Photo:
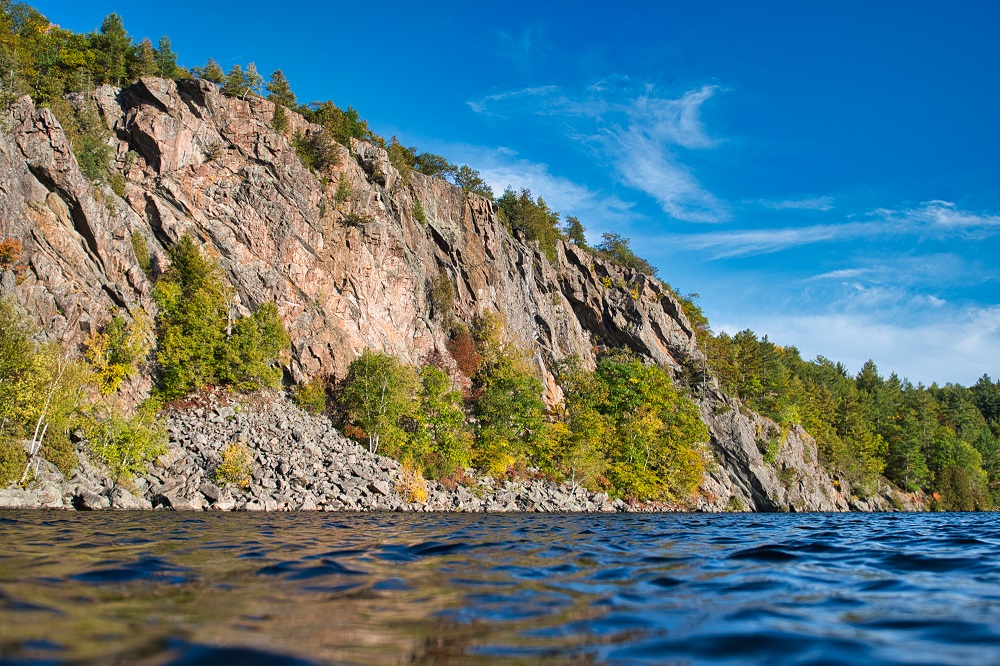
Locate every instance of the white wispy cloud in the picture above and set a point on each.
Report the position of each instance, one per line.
(728, 244)
(637, 130)
(942, 215)
(938, 219)
(815, 203)
(841, 274)
(503, 166)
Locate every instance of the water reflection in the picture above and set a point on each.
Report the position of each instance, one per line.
(157, 588)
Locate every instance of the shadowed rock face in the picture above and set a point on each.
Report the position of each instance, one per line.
(344, 275)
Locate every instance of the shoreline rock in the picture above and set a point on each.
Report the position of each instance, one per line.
(300, 462)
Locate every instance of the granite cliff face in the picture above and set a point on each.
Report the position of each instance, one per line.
(344, 275)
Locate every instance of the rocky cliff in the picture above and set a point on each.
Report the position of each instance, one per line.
(345, 275)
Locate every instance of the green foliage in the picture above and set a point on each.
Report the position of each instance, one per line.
(41, 388)
(575, 232)
(508, 408)
(279, 119)
(311, 395)
(430, 164)
(114, 53)
(247, 360)
(126, 445)
(402, 158)
(377, 392)
(88, 135)
(166, 60)
(13, 460)
(618, 250)
(279, 90)
(627, 423)
(210, 72)
(418, 212)
(236, 466)
(238, 83)
(531, 217)
(316, 150)
(344, 189)
(938, 440)
(441, 440)
(116, 352)
(340, 125)
(441, 294)
(145, 60)
(472, 182)
(199, 341)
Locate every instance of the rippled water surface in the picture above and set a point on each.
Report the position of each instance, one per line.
(155, 588)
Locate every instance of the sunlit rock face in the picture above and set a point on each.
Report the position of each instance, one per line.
(345, 274)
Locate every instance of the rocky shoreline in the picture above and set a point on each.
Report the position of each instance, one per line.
(300, 462)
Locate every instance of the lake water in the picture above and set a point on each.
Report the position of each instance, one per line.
(182, 588)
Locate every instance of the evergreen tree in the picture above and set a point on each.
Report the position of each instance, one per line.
(575, 232)
(279, 90)
(254, 81)
(235, 83)
(166, 60)
(114, 51)
(145, 64)
(210, 72)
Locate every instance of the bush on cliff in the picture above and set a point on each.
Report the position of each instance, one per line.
(200, 340)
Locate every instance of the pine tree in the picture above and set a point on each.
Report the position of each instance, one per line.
(254, 81)
(235, 83)
(210, 72)
(166, 59)
(113, 49)
(279, 90)
(146, 60)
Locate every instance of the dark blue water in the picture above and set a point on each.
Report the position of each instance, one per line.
(169, 588)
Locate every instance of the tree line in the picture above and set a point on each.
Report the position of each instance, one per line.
(942, 440)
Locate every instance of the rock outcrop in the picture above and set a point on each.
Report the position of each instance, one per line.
(348, 274)
(297, 462)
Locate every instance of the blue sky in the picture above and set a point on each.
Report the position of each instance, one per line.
(825, 173)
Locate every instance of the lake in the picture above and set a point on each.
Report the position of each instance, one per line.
(336, 588)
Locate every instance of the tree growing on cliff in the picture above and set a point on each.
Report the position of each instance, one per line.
(199, 342)
(618, 250)
(531, 217)
(210, 72)
(279, 90)
(378, 390)
(166, 60)
(510, 424)
(471, 181)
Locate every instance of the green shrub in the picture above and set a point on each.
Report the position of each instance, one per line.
(441, 294)
(59, 450)
(247, 359)
(344, 189)
(316, 150)
(13, 460)
(116, 351)
(418, 212)
(142, 254)
(236, 466)
(311, 395)
(279, 121)
(126, 445)
(117, 182)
